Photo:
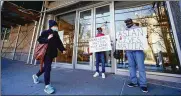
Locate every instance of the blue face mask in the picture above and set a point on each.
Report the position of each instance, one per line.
(55, 29)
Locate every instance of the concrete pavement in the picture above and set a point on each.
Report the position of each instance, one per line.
(17, 80)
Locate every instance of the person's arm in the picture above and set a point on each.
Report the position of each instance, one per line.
(42, 39)
(60, 44)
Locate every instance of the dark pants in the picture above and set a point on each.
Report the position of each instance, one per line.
(46, 69)
(100, 57)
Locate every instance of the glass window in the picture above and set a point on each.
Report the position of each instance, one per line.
(158, 57)
(6, 32)
(84, 35)
(103, 21)
(66, 24)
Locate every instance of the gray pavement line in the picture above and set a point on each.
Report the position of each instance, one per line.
(123, 88)
(165, 85)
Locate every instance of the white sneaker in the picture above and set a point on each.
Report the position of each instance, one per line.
(49, 89)
(96, 74)
(103, 75)
(35, 79)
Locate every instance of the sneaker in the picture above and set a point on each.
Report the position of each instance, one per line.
(132, 85)
(103, 75)
(96, 74)
(144, 89)
(51, 86)
(35, 79)
(49, 89)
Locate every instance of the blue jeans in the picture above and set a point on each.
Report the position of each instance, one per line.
(136, 59)
(100, 57)
(46, 69)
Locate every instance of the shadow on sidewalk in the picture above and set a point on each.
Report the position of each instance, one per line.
(17, 80)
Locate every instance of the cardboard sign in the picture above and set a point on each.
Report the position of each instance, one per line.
(132, 39)
(99, 44)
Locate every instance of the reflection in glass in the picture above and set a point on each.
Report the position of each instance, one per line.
(83, 37)
(103, 21)
(161, 55)
(66, 25)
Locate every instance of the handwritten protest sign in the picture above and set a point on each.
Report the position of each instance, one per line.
(132, 39)
(99, 44)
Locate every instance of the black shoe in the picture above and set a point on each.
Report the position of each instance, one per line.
(132, 85)
(144, 89)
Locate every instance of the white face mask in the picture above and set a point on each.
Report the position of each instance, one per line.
(54, 28)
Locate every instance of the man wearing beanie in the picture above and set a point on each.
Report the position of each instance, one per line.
(100, 57)
(51, 38)
(136, 59)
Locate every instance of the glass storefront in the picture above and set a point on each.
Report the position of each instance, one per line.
(85, 29)
(66, 24)
(161, 56)
(102, 15)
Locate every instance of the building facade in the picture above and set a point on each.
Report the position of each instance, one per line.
(78, 21)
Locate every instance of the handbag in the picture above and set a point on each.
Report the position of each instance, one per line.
(116, 53)
(40, 51)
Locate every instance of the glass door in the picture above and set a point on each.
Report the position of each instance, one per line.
(66, 24)
(102, 19)
(84, 34)
(89, 21)
(161, 55)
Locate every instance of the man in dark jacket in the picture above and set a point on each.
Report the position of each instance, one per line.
(51, 38)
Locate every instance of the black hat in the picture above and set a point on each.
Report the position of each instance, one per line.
(99, 28)
(52, 23)
(128, 20)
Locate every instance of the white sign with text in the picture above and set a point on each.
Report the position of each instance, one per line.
(132, 39)
(99, 44)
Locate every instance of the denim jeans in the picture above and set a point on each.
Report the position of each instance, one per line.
(136, 59)
(46, 69)
(100, 57)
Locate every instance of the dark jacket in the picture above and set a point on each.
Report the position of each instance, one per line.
(53, 43)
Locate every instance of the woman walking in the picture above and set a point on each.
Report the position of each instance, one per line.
(51, 38)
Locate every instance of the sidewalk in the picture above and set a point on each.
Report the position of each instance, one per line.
(17, 80)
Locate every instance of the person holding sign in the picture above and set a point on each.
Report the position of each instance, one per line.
(136, 59)
(100, 56)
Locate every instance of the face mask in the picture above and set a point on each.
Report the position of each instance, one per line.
(129, 24)
(99, 31)
(54, 28)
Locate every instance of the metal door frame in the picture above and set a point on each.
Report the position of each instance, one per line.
(79, 66)
(92, 57)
